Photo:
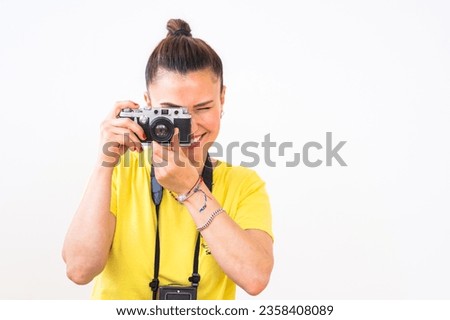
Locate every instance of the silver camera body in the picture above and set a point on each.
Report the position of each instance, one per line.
(159, 123)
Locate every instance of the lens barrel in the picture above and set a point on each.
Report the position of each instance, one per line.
(161, 130)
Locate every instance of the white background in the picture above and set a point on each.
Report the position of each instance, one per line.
(375, 73)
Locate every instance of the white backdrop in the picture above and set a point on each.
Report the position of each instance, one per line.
(374, 73)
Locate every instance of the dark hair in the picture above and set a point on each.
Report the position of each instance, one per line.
(182, 53)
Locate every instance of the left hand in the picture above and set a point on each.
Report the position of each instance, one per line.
(173, 170)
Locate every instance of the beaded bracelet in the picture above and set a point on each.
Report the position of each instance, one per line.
(210, 219)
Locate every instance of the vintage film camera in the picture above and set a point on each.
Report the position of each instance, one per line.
(159, 123)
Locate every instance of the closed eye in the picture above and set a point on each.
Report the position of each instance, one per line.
(204, 105)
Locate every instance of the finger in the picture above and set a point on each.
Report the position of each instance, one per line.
(113, 136)
(175, 143)
(179, 156)
(130, 124)
(120, 140)
(127, 137)
(122, 135)
(159, 155)
(161, 151)
(119, 105)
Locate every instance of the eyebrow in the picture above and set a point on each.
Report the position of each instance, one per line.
(201, 104)
(172, 105)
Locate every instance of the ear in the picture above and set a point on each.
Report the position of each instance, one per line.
(147, 99)
(222, 97)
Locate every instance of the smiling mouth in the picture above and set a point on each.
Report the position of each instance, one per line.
(195, 141)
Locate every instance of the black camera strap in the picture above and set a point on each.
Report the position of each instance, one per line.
(157, 193)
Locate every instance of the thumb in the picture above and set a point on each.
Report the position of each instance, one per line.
(175, 143)
(179, 155)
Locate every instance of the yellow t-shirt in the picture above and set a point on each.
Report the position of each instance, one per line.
(130, 264)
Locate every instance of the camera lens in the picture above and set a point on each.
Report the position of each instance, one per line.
(161, 129)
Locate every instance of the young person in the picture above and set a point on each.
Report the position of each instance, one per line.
(117, 231)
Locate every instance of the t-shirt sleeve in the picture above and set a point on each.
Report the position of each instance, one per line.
(253, 210)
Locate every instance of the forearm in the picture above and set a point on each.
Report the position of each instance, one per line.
(89, 237)
(244, 255)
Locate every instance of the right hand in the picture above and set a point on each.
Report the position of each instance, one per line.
(117, 135)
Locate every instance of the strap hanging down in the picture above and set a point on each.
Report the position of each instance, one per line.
(157, 193)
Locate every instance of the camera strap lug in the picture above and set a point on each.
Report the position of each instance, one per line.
(154, 284)
(195, 279)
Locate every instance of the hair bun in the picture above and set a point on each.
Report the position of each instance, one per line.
(178, 27)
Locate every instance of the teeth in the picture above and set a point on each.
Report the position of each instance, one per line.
(196, 139)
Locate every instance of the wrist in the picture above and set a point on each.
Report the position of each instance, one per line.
(108, 160)
(105, 165)
(182, 197)
(200, 200)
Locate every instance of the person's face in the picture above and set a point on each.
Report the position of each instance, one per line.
(199, 92)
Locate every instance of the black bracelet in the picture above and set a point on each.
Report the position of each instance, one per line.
(183, 197)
